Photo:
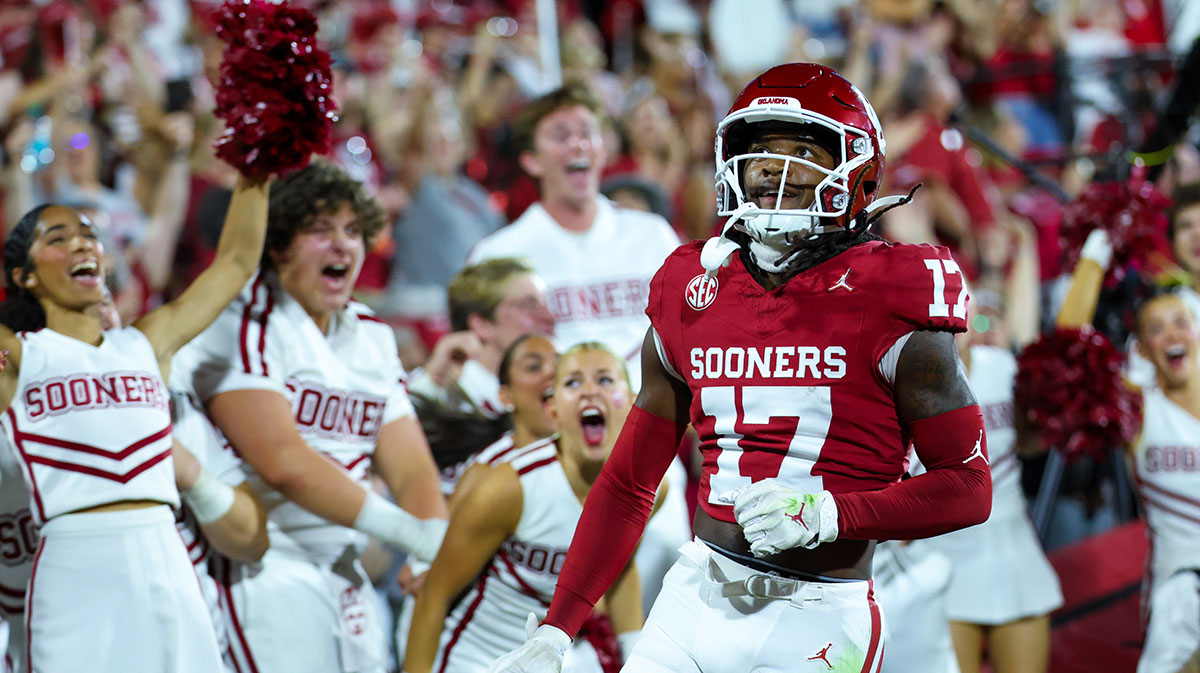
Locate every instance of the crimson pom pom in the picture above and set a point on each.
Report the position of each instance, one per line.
(1133, 213)
(1069, 387)
(274, 93)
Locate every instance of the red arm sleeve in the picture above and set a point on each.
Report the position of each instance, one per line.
(955, 493)
(614, 516)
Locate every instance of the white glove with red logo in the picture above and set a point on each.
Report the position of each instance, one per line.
(542, 653)
(774, 518)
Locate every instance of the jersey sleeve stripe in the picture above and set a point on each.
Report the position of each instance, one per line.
(9, 591)
(262, 333)
(247, 315)
(662, 355)
(521, 451)
(887, 364)
(533, 466)
(531, 454)
(496, 449)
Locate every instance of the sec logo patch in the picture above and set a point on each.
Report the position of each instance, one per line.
(701, 292)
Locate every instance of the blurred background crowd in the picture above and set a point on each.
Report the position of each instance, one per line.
(1001, 109)
(106, 105)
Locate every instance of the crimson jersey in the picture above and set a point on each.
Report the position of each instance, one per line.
(792, 383)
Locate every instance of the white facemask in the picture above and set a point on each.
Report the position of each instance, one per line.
(775, 238)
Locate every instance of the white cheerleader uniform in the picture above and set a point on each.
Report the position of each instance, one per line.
(597, 286)
(307, 606)
(109, 591)
(196, 433)
(18, 545)
(489, 619)
(1167, 465)
(911, 582)
(1000, 573)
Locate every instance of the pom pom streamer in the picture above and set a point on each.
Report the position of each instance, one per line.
(1069, 388)
(274, 93)
(1133, 213)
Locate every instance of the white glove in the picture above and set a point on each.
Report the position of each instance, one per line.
(420, 537)
(1097, 248)
(542, 653)
(774, 518)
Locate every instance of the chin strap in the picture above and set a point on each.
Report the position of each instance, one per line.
(878, 207)
(717, 250)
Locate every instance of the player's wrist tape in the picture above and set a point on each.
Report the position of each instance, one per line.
(389, 523)
(829, 518)
(209, 498)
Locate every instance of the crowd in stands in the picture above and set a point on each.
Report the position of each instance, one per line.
(108, 106)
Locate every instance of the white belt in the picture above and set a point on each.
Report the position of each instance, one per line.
(727, 578)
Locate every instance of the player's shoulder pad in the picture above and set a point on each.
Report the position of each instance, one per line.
(686, 257)
(678, 268)
(887, 263)
(921, 284)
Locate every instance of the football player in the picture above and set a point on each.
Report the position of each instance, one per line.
(808, 354)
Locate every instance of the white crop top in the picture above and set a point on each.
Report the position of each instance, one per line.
(91, 425)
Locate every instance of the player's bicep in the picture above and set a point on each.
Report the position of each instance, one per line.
(663, 393)
(930, 379)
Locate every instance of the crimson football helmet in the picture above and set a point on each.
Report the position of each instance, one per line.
(803, 94)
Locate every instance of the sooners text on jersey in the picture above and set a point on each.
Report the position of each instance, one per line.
(335, 413)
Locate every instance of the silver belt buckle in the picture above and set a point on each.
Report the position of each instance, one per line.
(759, 586)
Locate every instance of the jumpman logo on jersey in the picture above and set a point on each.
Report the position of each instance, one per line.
(823, 656)
(841, 283)
(798, 517)
(977, 452)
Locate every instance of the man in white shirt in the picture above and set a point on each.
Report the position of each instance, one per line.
(595, 257)
(597, 260)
